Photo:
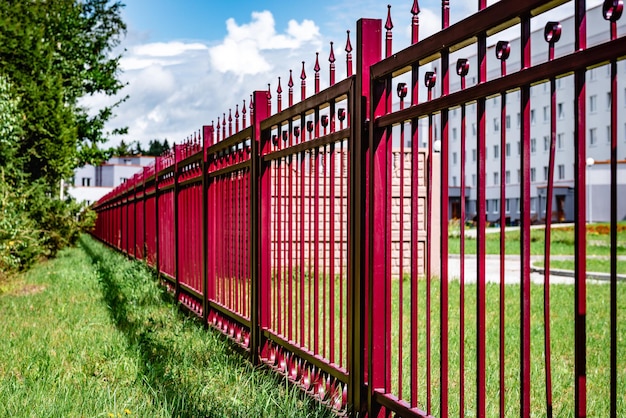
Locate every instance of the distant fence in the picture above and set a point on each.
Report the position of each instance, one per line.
(316, 236)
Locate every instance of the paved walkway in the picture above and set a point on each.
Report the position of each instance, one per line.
(512, 265)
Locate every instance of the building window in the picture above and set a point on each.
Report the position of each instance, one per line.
(123, 179)
(593, 103)
(454, 158)
(487, 205)
(519, 175)
(560, 111)
(508, 121)
(608, 101)
(454, 134)
(559, 140)
(546, 114)
(533, 205)
(474, 154)
(545, 173)
(519, 148)
(546, 143)
(533, 174)
(519, 120)
(561, 171)
(495, 206)
(496, 178)
(474, 180)
(608, 134)
(532, 116)
(593, 136)
(533, 145)
(508, 149)
(473, 128)
(86, 181)
(592, 74)
(496, 124)
(507, 175)
(496, 151)
(453, 181)
(508, 205)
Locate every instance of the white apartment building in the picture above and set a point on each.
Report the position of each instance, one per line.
(93, 182)
(598, 134)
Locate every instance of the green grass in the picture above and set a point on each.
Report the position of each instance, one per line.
(562, 347)
(596, 265)
(91, 334)
(561, 241)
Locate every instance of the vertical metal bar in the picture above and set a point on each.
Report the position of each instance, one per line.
(613, 308)
(302, 240)
(503, 50)
(525, 165)
(259, 231)
(462, 68)
(332, 256)
(316, 249)
(176, 223)
(430, 79)
(207, 133)
(369, 52)
(580, 214)
(414, 214)
(481, 197)
(444, 216)
(552, 34)
(378, 221)
(402, 92)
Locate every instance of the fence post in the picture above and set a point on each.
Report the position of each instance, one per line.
(157, 262)
(259, 230)
(176, 245)
(207, 132)
(369, 52)
(144, 240)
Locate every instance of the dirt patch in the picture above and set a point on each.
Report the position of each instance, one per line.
(27, 289)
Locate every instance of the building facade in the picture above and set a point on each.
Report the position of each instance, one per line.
(598, 105)
(92, 182)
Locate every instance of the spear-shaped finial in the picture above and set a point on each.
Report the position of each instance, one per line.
(237, 117)
(279, 99)
(445, 13)
(317, 72)
(303, 84)
(230, 122)
(349, 55)
(389, 35)
(218, 129)
(251, 106)
(290, 84)
(331, 59)
(243, 114)
(269, 99)
(224, 126)
(415, 22)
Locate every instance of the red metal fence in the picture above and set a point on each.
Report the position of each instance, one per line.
(311, 235)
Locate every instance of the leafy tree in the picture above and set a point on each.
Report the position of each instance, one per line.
(55, 52)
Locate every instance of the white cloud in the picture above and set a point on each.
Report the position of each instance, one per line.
(247, 48)
(176, 87)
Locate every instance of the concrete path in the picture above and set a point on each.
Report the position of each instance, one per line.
(512, 275)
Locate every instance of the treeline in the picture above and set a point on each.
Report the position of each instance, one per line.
(52, 54)
(155, 148)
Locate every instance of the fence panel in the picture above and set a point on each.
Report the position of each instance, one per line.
(322, 238)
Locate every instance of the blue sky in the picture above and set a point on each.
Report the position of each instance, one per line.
(187, 62)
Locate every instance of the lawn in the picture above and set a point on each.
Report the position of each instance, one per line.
(91, 334)
(561, 241)
(562, 347)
